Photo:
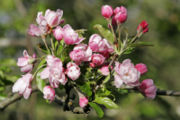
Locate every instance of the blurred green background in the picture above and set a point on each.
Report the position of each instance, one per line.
(163, 59)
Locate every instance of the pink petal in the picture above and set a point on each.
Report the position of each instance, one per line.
(45, 73)
(27, 92)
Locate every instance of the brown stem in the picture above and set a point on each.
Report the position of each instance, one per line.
(168, 92)
(77, 110)
(158, 92)
(113, 60)
(5, 103)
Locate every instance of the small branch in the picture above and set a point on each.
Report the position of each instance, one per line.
(8, 101)
(158, 92)
(168, 93)
(113, 60)
(44, 40)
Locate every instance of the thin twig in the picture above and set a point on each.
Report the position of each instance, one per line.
(168, 92)
(61, 100)
(8, 101)
(44, 40)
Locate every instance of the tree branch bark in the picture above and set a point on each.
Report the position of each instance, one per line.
(168, 93)
(78, 110)
(8, 101)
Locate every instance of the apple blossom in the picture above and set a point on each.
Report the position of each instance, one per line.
(142, 68)
(83, 101)
(105, 70)
(120, 14)
(26, 62)
(34, 30)
(97, 44)
(54, 71)
(106, 11)
(58, 33)
(73, 71)
(148, 88)
(70, 36)
(42, 23)
(23, 86)
(53, 18)
(86, 49)
(126, 73)
(77, 55)
(142, 27)
(97, 60)
(49, 93)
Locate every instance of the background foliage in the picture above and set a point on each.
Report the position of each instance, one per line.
(162, 59)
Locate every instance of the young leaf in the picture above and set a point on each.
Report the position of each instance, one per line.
(129, 50)
(86, 88)
(104, 33)
(41, 64)
(141, 44)
(97, 108)
(107, 102)
(40, 82)
(103, 92)
(42, 48)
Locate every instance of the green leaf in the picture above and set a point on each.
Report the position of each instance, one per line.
(56, 44)
(107, 102)
(97, 108)
(81, 31)
(105, 33)
(129, 50)
(86, 88)
(103, 92)
(60, 47)
(42, 48)
(41, 64)
(141, 44)
(40, 82)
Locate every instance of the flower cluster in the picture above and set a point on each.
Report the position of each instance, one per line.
(23, 84)
(70, 61)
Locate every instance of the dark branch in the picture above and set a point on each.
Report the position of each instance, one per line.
(5, 103)
(168, 92)
(78, 110)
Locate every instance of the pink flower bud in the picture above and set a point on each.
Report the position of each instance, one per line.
(70, 36)
(26, 62)
(148, 88)
(53, 18)
(83, 101)
(120, 14)
(97, 44)
(77, 55)
(73, 71)
(106, 11)
(86, 49)
(34, 30)
(141, 68)
(98, 59)
(105, 70)
(58, 33)
(49, 93)
(23, 86)
(142, 27)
